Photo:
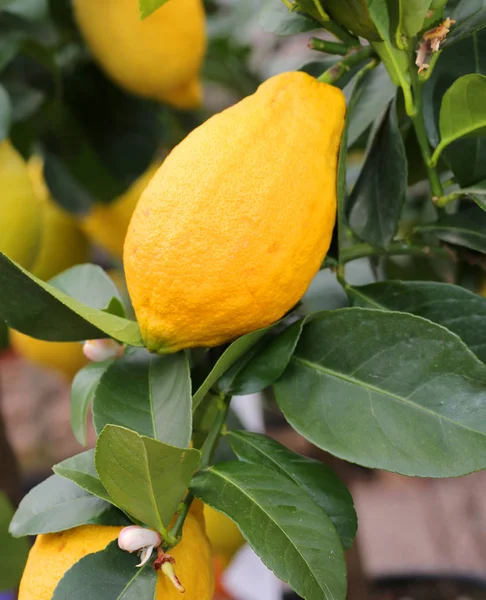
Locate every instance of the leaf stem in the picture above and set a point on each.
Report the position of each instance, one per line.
(207, 451)
(340, 33)
(354, 57)
(328, 47)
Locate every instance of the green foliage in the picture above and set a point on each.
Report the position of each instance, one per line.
(14, 552)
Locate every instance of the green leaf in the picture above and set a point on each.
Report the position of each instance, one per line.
(466, 228)
(49, 314)
(377, 197)
(83, 389)
(146, 478)
(453, 307)
(147, 7)
(290, 533)
(276, 18)
(412, 17)
(355, 15)
(470, 17)
(171, 399)
(110, 574)
(314, 477)
(14, 551)
(57, 504)
(412, 394)
(227, 359)
(5, 113)
(82, 471)
(462, 112)
(261, 366)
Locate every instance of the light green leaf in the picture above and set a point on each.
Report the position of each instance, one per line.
(313, 476)
(14, 551)
(412, 17)
(147, 7)
(49, 314)
(110, 574)
(146, 478)
(462, 113)
(82, 471)
(290, 533)
(412, 394)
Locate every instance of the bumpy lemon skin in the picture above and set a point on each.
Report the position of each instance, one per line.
(235, 224)
(20, 209)
(158, 57)
(107, 224)
(53, 554)
(225, 537)
(62, 243)
(65, 358)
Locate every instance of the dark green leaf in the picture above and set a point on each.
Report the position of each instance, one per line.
(82, 392)
(291, 534)
(147, 7)
(355, 15)
(412, 394)
(25, 100)
(228, 358)
(276, 18)
(462, 113)
(14, 551)
(5, 113)
(470, 17)
(461, 311)
(377, 197)
(466, 228)
(47, 313)
(262, 367)
(57, 504)
(64, 187)
(146, 478)
(82, 471)
(110, 574)
(314, 477)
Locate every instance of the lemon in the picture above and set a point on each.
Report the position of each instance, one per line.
(20, 208)
(159, 57)
(53, 554)
(62, 243)
(236, 222)
(107, 223)
(224, 535)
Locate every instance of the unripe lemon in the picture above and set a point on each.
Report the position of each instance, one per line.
(53, 554)
(225, 537)
(20, 209)
(107, 223)
(159, 57)
(236, 222)
(62, 243)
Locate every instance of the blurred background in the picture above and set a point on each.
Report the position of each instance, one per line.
(418, 539)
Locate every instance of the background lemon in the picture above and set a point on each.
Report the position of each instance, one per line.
(20, 209)
(53, 554)
(224, 535)
(158, 57)
(236, 222)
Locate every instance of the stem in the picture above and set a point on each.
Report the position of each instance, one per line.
(340, 33)
(207, 451)
(394, 249)
(322, 13)
(328, 47)
(354, 57)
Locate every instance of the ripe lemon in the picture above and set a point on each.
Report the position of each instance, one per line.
(65, 358)
(236, 222)
(53, 554)
(107, 223)
(159, 57)
(224, 535)
(20, 209)
(62, 243)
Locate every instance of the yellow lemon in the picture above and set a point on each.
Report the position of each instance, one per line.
(66, 358)
(159, 57)
(62, 243)
(53, 554)
(236, 222)
(20, 209)
(224, 535)
(107, 223)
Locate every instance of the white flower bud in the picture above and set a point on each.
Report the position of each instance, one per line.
(139, 539)
(100, 350)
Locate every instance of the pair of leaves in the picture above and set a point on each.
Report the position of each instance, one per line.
(143, 477)
(387, 390)
(73, 307)
(281, 502)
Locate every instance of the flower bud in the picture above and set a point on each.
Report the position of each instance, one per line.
(100, 350)
(139, 539)
(167, 569)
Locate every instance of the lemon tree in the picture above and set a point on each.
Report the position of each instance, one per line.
(321, 242)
